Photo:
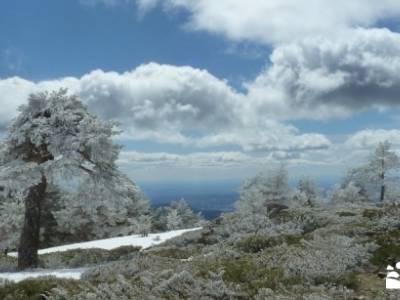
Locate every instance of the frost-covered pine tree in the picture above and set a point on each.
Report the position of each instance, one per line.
(261, 198)
(306, 192)
(361, 178)
(143, 225)
(382, 162)
(174, 220)
(54, 137)
(188, 217)
(272, 188)
(375, 177)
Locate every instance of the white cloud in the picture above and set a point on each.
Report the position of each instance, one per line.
(162, 97)
(328, 60)
(278, 21)
(192, 160)
(212, 160)
(168, 104)
(325, 77)
(369, 138)
(269, 135)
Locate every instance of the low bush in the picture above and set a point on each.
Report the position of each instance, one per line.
(389, 249)
(173, 252)
(257, 243)
(372, 213)
(35, 289)
(86, 257)
(346, 214)
(254, 243)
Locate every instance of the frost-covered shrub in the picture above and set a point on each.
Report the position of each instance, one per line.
(293, 221)
(254, 243)
(181, 285)
(172, 252)
(86, 257)
(38, 288)
(313, 293)
(184, 286)
(326, 257)
(239, 225)
(309, 219)
(188, 238)
(120, 289)
(257, 243)
(351, 193)
(386, 223)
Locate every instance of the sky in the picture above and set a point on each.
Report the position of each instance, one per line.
(215, 90)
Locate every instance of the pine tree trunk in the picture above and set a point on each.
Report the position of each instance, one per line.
(382, 193)
(29, 241)
(382, 186)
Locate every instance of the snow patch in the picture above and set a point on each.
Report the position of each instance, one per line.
(62, 273)
(112, 243)
(107, 244)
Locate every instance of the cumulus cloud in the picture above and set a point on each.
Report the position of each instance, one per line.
(278, 21)
(325, 77)
(169, 104)
(370, 138)
(328, 60)
(161, 96)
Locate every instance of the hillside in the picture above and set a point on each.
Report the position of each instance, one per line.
(322, 252)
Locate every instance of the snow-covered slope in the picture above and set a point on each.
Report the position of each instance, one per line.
(112, 243)
(107, 244)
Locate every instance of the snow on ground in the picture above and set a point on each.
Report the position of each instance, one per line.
(62, 273)
(112, 243)
(107, 244)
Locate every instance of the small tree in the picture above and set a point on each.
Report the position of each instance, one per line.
(270, 188)
(143, 225)
(188, 217)
(54, 136)
(306, 192)
(174, 220)
(382, 162)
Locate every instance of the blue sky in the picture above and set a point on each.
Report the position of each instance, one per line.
(215, 89)
(65, 38)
